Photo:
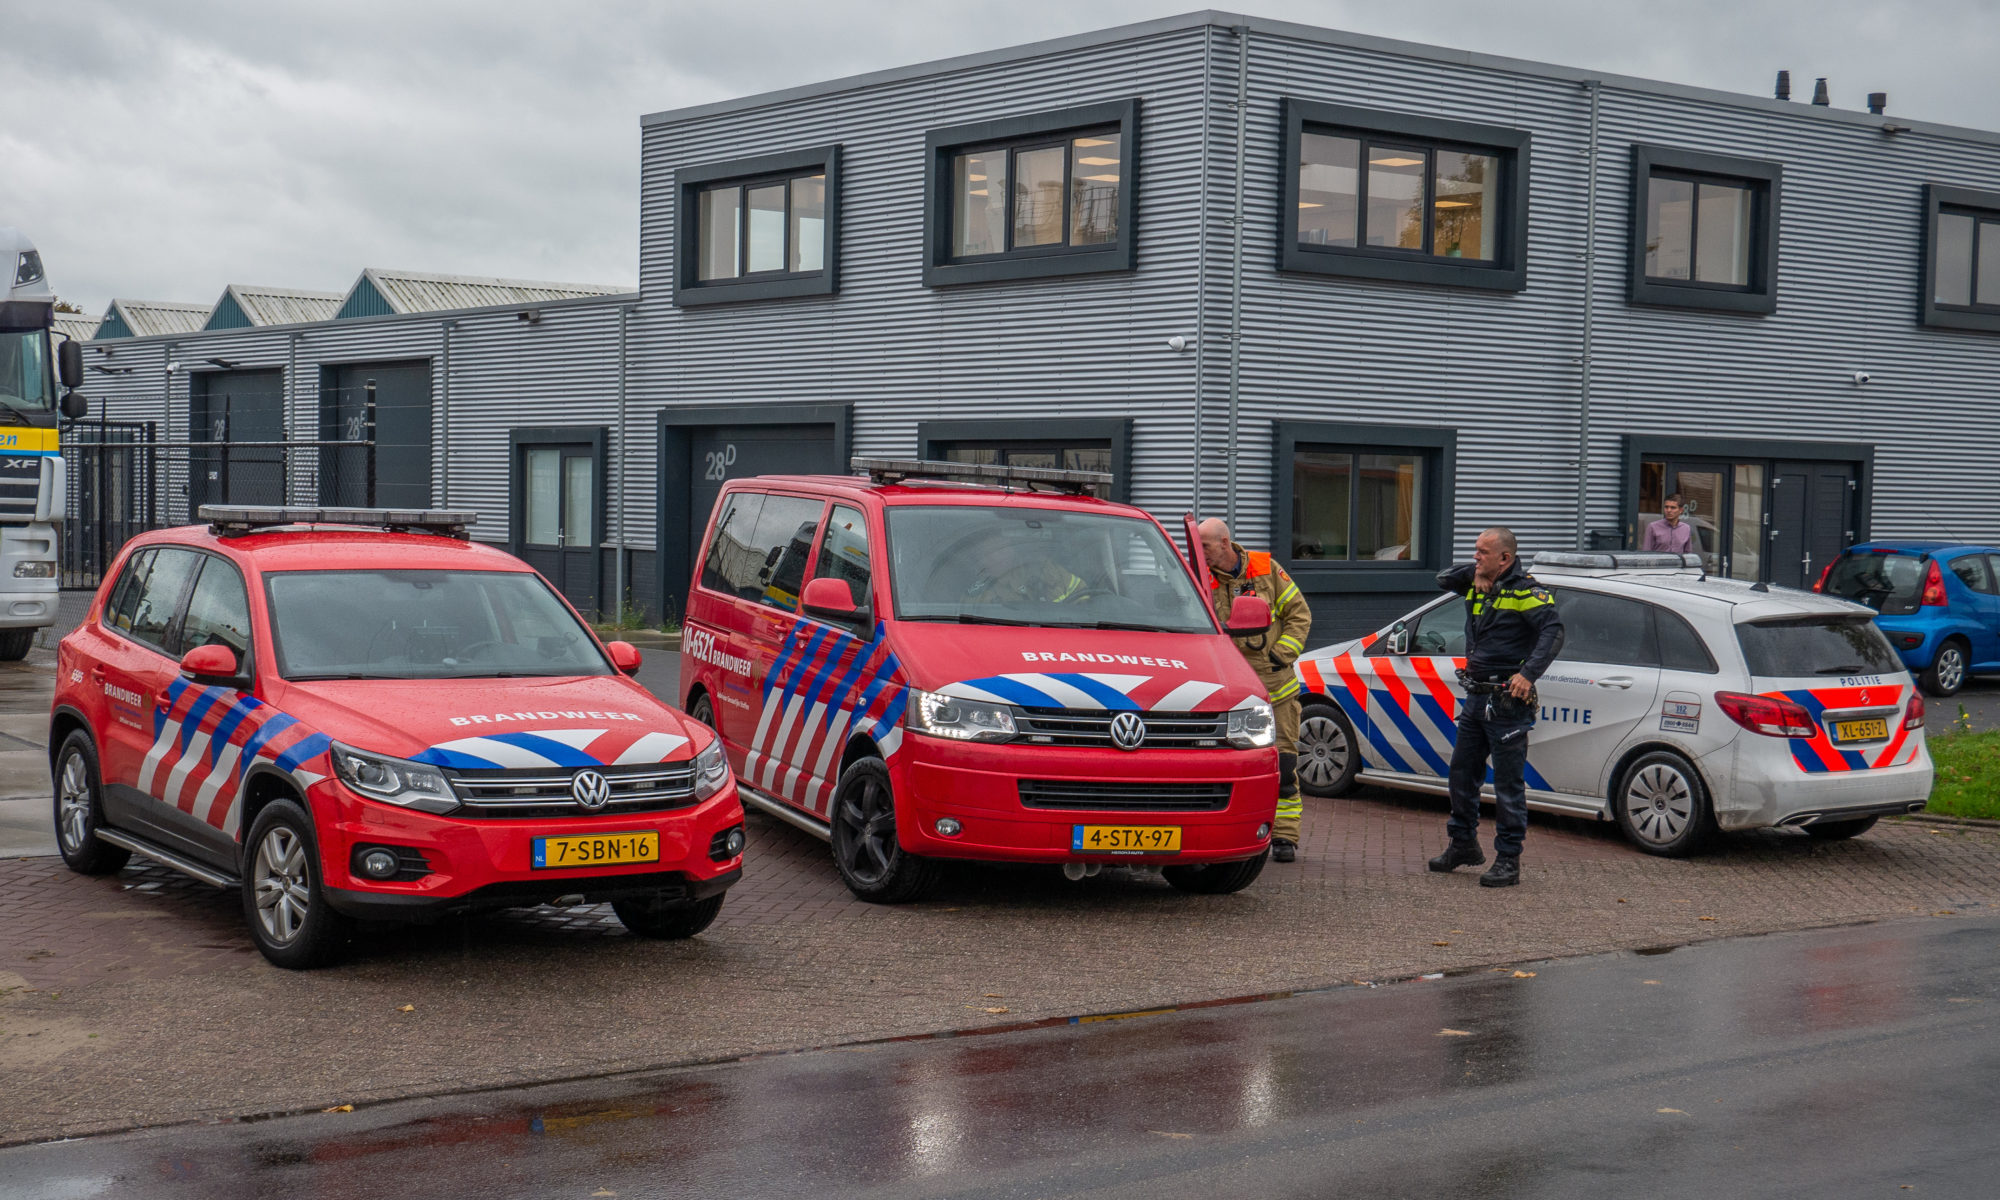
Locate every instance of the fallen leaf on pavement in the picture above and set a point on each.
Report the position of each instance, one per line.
(604, 1192)
(1945, 912)
(1670, 1110)
(407, 1008)
(1454, 1033)
(1454, 931)
(339, 1108)
(1654, 982)
(998, 1009)
(1622, 900)
(1524, 974)
(1707, 918)
(992, 995)
(1164, 1133)
(1440, 943)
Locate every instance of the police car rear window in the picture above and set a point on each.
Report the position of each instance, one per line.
(1796, 647)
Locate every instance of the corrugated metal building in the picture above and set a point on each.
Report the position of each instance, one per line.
(81, 326)
(150, 318)
(244, 306)
(1364, 297)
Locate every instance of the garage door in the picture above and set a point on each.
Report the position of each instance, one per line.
(225, 410)
(698, 457)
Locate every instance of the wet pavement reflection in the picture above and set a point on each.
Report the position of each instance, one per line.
(1832, 1062)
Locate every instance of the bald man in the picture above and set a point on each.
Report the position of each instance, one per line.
(1232, 572)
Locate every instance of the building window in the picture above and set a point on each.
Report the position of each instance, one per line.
(1705, 231)
(759, 228)
(1051, 194)
(1390, 196)
(1961, 277)
(1052, 443)
(1362, 506)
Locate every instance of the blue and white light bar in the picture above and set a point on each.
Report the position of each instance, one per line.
(1615, 560)
(900, 470)
(234, 520)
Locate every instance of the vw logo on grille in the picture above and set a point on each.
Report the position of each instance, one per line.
(1127, 731)
(590, 790)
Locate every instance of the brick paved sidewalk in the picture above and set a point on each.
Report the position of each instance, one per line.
(137, 998)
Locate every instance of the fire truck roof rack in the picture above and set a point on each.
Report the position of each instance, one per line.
(1038, 479)
(235, 520)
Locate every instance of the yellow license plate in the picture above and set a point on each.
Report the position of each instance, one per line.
(1125, 839)
(1860, 731)
(597, 850)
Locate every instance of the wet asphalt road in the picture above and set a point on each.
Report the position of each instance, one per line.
(1848, 1062)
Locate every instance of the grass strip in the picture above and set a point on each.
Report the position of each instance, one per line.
(1968, 774)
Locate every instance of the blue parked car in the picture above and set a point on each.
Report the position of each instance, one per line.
(1939, 604)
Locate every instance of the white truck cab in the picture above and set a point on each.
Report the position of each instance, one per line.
(1680, 703)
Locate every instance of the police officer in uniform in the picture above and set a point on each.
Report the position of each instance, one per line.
(1232, 572)
(1512, 634)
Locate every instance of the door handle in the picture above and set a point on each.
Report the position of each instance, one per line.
(1616, 681)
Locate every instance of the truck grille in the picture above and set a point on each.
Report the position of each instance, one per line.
(1124, 797)
(539, 792)
(1092, 727)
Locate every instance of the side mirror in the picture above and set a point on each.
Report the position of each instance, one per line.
(1399, 638)
(829, 599)
(75, 406)
(625, 657)
(69, 363)
(1248, 616)
(212, 662)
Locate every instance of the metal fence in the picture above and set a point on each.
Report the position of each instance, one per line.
(123, 480)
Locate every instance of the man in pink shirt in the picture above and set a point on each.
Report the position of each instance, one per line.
(1670, 533)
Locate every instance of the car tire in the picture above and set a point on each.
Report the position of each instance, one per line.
(703, 710)
(284, 897)
(1217, 879)
(1662, 806)
(79, 813)
(865, 851)
(15, 644)
(1947, 671)
(1328, 753)
(671, 922)
(1837, 831)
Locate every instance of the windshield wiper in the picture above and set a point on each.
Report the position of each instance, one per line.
(977, 619)
(1141, 626)
(351, 675)
(1847, 669)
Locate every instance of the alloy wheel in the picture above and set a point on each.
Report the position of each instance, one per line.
(1323, 751)
(283, 890)
(1950, 667)
(73, 819)
(1660, 803)
(869, 821)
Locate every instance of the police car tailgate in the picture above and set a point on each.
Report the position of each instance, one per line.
(1846, 701)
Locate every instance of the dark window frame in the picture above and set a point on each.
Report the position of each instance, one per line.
(1506, 271)
(1440, 448)
(597, 437)
(1638, 447)
(942, 269)
(689, 182)
(1981, 205)
(1766, 182)
(1115, 430)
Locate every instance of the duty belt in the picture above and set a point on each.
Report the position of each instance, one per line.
(1480, 687)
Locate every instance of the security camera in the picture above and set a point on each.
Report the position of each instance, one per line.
(173, 364)
(1861, 377)
(1177, 343)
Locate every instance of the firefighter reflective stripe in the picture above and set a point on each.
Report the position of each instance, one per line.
(1286, 689)
(1069, 588)
(1288, 645)
(1292, 807)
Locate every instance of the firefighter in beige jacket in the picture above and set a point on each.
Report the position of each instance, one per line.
(1232, 572)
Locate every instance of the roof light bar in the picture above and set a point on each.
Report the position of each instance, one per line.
(235, 520)
(899, 470)
(1617, 560)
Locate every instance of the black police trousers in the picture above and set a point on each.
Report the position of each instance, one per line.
(1494, 726)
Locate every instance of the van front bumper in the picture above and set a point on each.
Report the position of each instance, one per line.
(982, 787)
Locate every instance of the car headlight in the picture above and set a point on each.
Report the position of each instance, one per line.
(1252, 726)
(711, 771)
(394, 780)
(957, 717)
(34, 570)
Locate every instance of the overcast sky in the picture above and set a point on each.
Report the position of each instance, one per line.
(163, 151)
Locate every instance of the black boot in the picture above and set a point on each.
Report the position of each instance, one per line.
(1283, 850)
(1505, 872)
(1456, 855)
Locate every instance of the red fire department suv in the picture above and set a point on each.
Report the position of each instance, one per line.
(384, 722)
(946, 661)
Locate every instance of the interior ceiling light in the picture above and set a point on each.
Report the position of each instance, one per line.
(1453, 204)
(977, 192)
(1093, 141)
(1395, 162)
(977, 178)
(1310, 204)
(1098, 162)
(1102, 178)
